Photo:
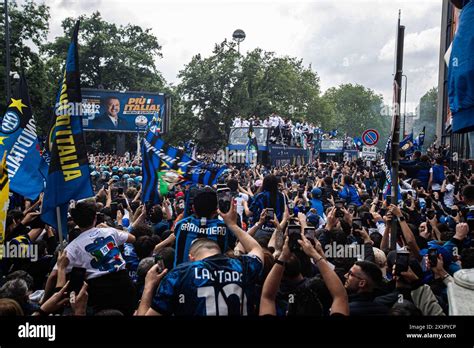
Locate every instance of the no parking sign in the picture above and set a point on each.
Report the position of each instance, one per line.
(370, 137)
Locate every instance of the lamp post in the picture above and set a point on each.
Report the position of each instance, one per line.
(239, 36)
(7, 53)
(405, 105)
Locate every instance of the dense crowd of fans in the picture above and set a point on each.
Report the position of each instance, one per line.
(293, 240)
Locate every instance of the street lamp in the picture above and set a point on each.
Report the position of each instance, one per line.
(239, 36)
(405, 105)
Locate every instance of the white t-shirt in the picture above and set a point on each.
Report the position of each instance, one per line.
(240, 198)
(97, 251)
(449, 195)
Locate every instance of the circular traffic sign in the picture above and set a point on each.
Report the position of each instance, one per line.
(370, 137)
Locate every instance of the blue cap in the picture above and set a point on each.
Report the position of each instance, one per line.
(125, 176)
(114, 169)
(316, 193)
(115, 177)
(138, 179)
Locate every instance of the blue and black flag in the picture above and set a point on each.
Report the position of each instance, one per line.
(164, 166)
(407, 145)
(68, 176)
(419, 140)
(18, 137)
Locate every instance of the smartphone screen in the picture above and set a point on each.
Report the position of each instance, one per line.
(433, 256)
(401, 264)
(224, 199)
(161, 264)
(294, 234)
(357, 223)
(310, 233)
(270, 214)
(76, 280)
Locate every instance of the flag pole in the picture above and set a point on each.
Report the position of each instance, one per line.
(60, 228)
(396, 125)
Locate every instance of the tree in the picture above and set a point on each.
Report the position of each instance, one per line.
(225, 85)
(110, 57)
(356, 108)
(29, 25)
(427, 110)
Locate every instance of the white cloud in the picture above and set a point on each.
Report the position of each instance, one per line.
(426, 40)
(346, 41)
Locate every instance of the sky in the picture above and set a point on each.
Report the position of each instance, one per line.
(345, 41)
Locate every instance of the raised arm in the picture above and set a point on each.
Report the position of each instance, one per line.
(340, 301)
(250, 245)
(272, 283)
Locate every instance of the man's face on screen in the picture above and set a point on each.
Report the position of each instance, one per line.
(113, 108)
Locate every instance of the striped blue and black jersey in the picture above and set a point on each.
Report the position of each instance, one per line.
(191, 228)
(262, 201)
(217, 285)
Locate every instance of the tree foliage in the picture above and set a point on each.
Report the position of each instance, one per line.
(427, 116)
(29, 26)
(211, 92)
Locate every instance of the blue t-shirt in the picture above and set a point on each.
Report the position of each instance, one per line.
(217, 285)
(189, 229)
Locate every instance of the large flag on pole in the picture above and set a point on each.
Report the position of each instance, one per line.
(419, 140)
(68, 176)
(18, 137)
(4, 198)
(164, 166)
(407, 144)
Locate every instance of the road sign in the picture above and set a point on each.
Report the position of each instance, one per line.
(370, 137)
(369, 153)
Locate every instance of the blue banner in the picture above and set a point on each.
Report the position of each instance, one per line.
(18, 137)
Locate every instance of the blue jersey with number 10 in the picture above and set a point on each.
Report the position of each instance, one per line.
(217, 285)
